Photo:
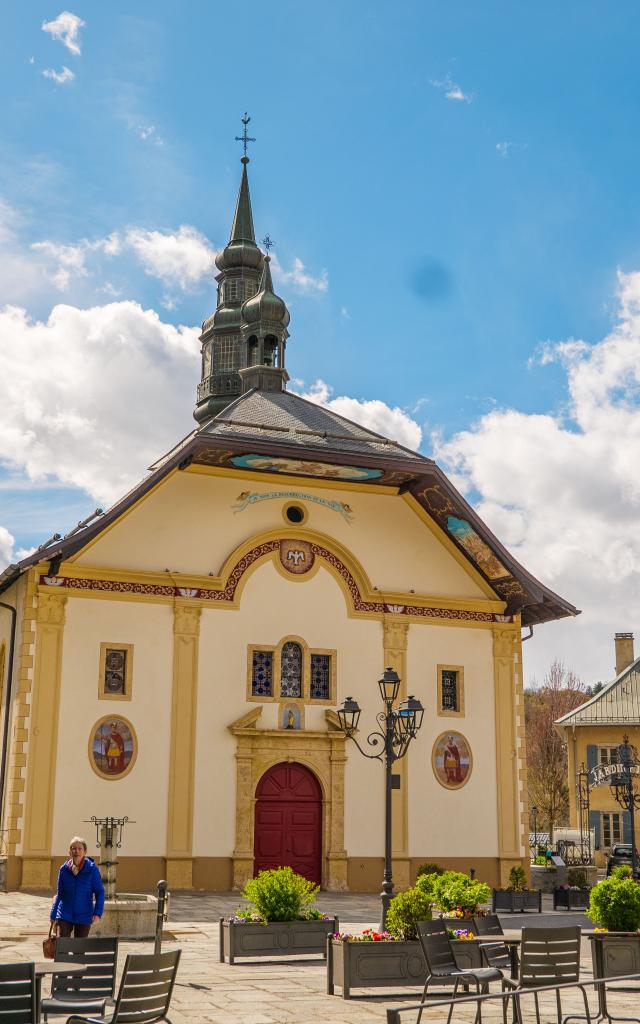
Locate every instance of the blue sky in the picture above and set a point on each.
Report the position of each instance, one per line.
(459, 182)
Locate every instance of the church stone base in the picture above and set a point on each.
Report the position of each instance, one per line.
(180, 873)
(36, 873)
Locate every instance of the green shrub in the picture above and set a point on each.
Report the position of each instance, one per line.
(614, 904)
(453, 889)
(430, 869)
(281, 895)
(405, 910)
(517, 879)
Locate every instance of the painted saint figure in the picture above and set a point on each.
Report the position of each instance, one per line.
(451, 762)
(114, 749)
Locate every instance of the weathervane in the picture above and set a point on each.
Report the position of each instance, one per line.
(244, 138)
(268, 243)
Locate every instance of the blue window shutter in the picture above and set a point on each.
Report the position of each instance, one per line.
(594, 823)
(626, 827)
(592, 756)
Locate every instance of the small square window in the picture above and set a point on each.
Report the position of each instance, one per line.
(320, 676)
(262, 674)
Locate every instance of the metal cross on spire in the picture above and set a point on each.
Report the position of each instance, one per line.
(268, 243)
(245, 137)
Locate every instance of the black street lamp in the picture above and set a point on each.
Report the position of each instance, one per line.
(398, 727)
(622, 789)
(534, 815)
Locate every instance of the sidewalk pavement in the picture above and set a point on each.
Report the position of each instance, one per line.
(261, 992)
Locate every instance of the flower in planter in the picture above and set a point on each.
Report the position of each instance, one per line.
(368, 935)
(245, 917)
(460, 933)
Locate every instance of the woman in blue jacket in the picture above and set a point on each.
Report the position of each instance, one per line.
(79, 901)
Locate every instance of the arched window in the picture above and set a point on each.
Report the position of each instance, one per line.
(291, 670)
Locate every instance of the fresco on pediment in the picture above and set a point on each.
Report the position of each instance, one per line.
(276, 464)
(112, 747)
(479, 551)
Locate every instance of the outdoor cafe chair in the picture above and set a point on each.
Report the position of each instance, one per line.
(548, 956)
(90, 991)
(441, 963)
(18, 1003)
(496, 953)
(145, 990)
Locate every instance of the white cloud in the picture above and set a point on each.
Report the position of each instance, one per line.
(451, 89)
(181, 257)
(59, 77)
(299, 277)
(92, 396)
(6, 548)
(70, 260)
(149, 133)
(564, 493)
(394, 423)
(66, 28)
(503, 149)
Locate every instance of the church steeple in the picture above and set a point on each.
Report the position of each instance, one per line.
(248, 330)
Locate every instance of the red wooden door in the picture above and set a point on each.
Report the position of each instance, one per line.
(288, 821)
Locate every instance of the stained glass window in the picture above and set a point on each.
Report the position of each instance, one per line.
(262, 674)
(115, 672)
(320, 676)
(449, 683)
(291, 670)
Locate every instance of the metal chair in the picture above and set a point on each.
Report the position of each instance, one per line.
(145, 990)
(548, 956)
(441, 963)
(495, 954)
(90, 991)
(18, 1004)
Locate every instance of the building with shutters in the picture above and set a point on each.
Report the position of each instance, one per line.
(179, 659)
(593, 732)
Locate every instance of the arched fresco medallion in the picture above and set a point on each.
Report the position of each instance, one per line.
(113, 747)
(451, 760)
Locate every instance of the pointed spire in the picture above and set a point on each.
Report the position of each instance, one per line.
(242, 227)
(266, 283)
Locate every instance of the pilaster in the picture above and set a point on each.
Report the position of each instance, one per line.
(186, 637)
(43, 742)
(395, 637)
(508, 784)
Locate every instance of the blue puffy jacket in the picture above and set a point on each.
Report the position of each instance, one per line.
(79, 897)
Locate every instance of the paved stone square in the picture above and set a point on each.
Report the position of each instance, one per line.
(271, 992)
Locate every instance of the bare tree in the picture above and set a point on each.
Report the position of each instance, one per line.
(560, 692)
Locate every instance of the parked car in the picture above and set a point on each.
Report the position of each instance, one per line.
(620, 854)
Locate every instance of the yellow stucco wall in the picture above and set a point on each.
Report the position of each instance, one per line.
(189, 526)
(142, 794)
(470, 813)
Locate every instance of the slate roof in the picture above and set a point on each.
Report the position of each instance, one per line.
(617, 703)
(287, 418)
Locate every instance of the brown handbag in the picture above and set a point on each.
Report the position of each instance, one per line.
(49, 944)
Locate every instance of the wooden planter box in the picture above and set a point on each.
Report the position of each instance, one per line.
(615, 953)
(387, 964)
(571, 899)
(504, 899)
(277, 939)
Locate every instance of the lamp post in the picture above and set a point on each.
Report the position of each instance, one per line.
(398, 727)
(623, 791)
(534, 815)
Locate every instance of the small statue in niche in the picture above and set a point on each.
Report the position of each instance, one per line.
(291, 720)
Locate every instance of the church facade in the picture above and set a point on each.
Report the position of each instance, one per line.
(179, 660)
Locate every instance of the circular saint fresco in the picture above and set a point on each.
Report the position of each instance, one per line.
(452, 760)
(113, 747)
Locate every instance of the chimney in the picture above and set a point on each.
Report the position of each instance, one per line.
(624, 651)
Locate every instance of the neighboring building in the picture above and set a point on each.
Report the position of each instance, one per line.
(593, 732)
(179, 659)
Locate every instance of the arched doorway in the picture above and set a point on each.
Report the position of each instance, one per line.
(288, 821)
